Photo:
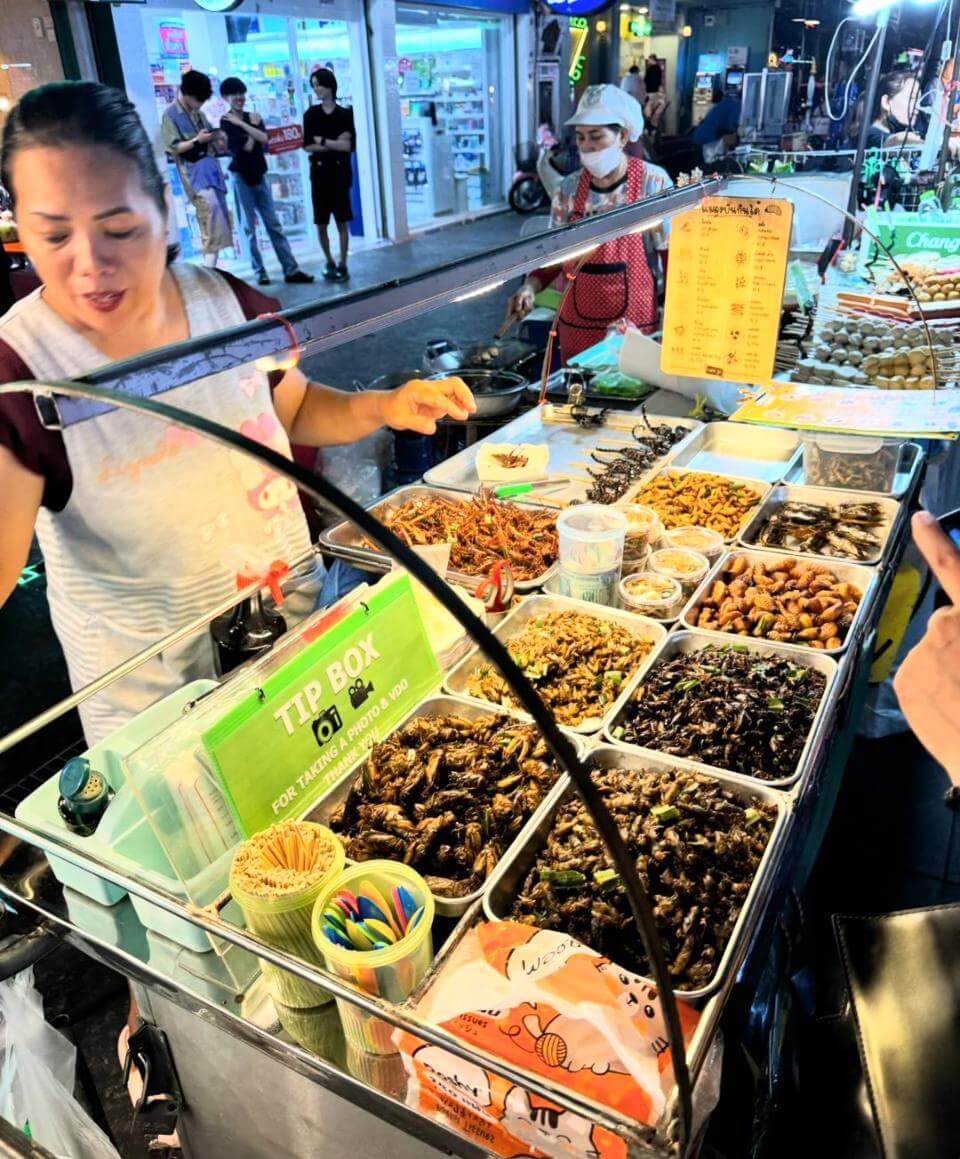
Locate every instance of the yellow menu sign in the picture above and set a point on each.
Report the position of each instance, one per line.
(725, 278)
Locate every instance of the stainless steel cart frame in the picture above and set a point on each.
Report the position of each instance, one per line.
(221, 1114)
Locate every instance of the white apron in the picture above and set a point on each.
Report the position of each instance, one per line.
(159, 520)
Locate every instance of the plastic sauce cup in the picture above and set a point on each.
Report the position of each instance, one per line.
(643, 530)
(284, 921)
(679, 563)
(392, 973)
(702, 539)
(650, 594)
(591, 538)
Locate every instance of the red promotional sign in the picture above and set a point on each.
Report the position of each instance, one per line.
(173, 40)
(284, 138)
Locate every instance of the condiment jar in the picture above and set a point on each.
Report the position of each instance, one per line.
(679, 563)
(704, 540)
(650, 594)
(643, 530)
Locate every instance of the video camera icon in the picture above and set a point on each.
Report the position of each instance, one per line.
(359, 692)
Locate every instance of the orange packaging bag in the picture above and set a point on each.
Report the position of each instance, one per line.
(544, 1002)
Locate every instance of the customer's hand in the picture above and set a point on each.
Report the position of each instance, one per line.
(523, 301)
(418, 404)
(205, 136)
(928, 681)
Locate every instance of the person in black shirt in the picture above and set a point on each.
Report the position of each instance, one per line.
(246, 137)
(329, 138)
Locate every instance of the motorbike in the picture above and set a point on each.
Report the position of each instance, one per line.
(538, 174)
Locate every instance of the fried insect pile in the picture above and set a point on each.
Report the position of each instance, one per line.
(577, 662)
(847, 530)
(741, 711)
(697, 849)
(700, 499)
(446, 795)
(481, 530)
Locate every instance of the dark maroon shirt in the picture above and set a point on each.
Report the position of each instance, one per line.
(42, 451)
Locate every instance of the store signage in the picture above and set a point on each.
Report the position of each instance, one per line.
(728, 265)
(906, 233)
(663, 11)
(173, 40)
(284, 138)
(635, 28)
(279, 749)
(577, 7)
(579, 31)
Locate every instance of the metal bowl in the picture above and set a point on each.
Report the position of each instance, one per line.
(496, 391)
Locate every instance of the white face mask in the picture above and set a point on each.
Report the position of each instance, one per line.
(603, 162)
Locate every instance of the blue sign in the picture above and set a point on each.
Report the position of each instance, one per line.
(577, 7)
(515, 6)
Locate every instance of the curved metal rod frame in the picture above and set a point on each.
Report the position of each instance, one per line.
(323, 491)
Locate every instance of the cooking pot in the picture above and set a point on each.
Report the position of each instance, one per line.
(496, 391)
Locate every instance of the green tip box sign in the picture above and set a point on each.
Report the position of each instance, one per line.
(278, 750)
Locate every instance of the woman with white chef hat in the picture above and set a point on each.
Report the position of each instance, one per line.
(617, 281)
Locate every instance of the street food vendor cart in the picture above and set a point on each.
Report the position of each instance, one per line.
(216, 1060)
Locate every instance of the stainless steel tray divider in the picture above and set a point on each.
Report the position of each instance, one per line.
(512, 625)
(342, 539)
(823, 496)
(761, 487)
(776, 448)
(433, 706)
(865, 578)
(505, 880)
(694, 640)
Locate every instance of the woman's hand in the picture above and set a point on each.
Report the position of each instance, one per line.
(928, 681)
(417, 405)
(522, 301)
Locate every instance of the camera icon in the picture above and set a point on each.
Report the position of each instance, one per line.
(327, 724)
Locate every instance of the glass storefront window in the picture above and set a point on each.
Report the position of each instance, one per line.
(456, 95)
(274, 57)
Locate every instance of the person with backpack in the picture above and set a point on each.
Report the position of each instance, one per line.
(194, 145)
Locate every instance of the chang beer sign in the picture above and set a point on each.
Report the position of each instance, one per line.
(910, 234)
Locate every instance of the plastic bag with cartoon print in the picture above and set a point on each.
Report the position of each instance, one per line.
(544, 1002)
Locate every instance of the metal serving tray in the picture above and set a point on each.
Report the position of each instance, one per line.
(694, 640)
(911, 457)
(758, 485)
(431, 708)
(506, 879)
(865, 578)
(344, 539)
(760, 453)
(535, 606)
(824, 496)
(568, 443)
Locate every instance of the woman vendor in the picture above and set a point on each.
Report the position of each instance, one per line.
(143, 526)
(899, 96)
(617, 281)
